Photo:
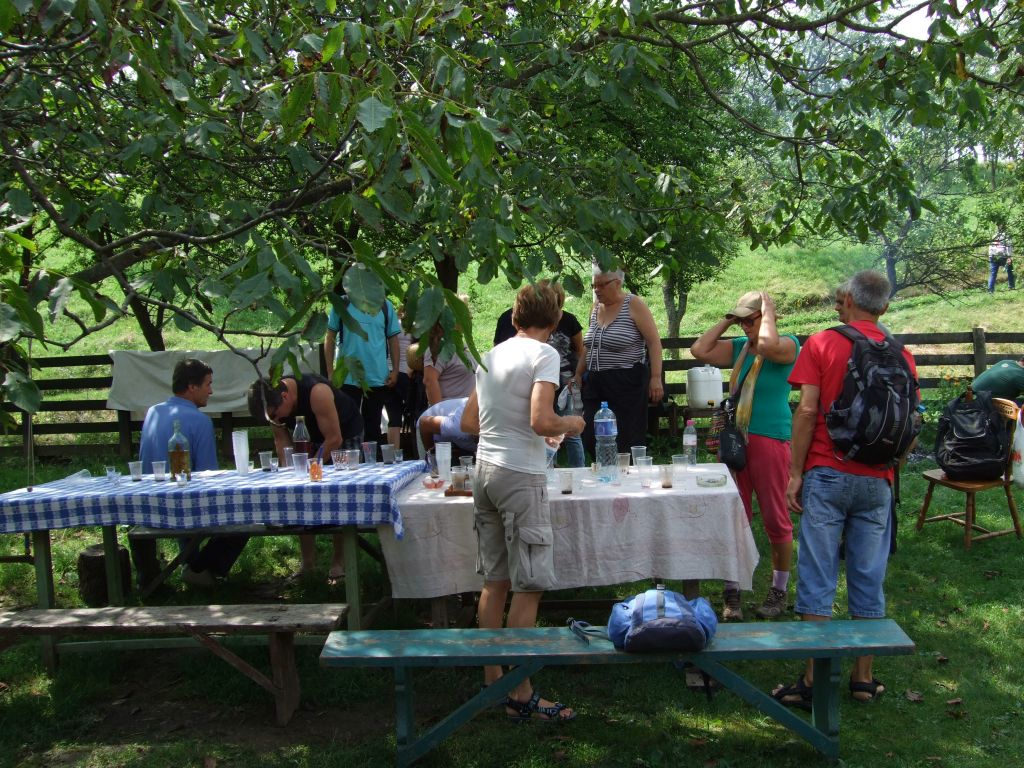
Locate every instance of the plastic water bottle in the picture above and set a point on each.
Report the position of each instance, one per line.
(690, 443)
(606, 429)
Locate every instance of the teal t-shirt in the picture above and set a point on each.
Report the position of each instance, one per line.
(373, 350)
(1004, 379)
(771, 416)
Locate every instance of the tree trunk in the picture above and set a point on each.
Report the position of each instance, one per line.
(448, 273)
(150, 331)
(674, 295)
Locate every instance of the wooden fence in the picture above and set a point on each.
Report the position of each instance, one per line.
(75, 405)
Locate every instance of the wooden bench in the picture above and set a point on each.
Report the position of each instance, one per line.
(527, 651)
(278, 622)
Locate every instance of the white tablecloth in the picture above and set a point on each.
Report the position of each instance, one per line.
(365, 496)
(604, 534)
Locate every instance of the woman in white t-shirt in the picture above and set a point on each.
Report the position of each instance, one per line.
(512, 410)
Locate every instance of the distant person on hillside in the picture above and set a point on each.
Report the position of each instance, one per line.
(1004, 379)
(1000, 252)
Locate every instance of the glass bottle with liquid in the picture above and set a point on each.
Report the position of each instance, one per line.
(178, 456)
(300, 437)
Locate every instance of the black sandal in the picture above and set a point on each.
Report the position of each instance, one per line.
(524, 710)
(796, 695)
(873, 689)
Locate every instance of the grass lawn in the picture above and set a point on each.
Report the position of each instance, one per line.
(958, 702)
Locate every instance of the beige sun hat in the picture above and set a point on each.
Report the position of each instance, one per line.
(749, 304)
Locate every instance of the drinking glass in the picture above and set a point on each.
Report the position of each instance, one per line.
(459, 477)
(665, 471)
(565, 480)
(274, 464)
(351, 460)
(399, 455)
(113, 475)
(287, 464)
(300, 461)
(466, 461)
(637, 451)
(159, 467)
(370, 452)
(444, 460)
(135, 469)
(240, 446)
(387, 453)
(679, 465)
(265, 460)
(338, 460)
(623, 464)
(645, 468)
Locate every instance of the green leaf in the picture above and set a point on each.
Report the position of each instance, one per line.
(427, 148)
(333, 42)
(373, 114)
(8, 15)
(22, 391)
(56, 13)
(295, 106)
(188, 12)
(177, 89)
(364, 289)
(428, 309)
(10, 323)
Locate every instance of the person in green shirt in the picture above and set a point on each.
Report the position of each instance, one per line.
(761, 360)
(1004, 379)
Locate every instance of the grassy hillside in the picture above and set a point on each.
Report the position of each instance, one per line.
(800, 279)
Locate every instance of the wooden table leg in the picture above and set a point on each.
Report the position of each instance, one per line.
(286, 675)
(43, 560)
(112, 561)
(350, 546)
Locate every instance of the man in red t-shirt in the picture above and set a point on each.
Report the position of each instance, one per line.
(839, 499)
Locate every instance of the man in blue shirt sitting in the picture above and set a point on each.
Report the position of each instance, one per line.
(192, 385)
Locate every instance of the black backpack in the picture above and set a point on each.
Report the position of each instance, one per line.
(874, 420)
(972, 440)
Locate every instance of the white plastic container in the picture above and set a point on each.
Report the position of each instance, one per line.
(704, 386)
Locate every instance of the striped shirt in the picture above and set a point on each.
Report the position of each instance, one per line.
(616, 345)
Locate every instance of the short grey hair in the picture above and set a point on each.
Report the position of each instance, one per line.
(615, 274)
(869, 290)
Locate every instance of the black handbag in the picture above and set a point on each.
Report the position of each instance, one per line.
(732, 445)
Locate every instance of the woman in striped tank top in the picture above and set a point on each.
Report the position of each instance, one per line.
(621, 338)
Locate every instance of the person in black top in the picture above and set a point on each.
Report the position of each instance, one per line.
(333, 421)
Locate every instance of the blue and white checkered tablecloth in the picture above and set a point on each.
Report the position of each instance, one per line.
(365, 496)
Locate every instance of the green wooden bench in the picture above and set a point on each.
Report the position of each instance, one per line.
(529, 650)
(202, 622)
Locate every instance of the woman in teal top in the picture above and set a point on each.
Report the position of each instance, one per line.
(759, 382)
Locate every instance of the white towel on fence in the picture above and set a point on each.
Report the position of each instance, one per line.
(142, 379)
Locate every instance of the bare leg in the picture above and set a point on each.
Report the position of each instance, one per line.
(809, 668)
(863, 671)
(395, 436)
(490, 611)
(307, 546)
(691, 588)
(523, 613)
(782, 556)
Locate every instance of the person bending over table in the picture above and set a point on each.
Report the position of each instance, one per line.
(192, 385)
(442, 423)
(512, 410)
(334, 422)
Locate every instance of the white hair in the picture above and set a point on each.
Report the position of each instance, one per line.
(615, 274)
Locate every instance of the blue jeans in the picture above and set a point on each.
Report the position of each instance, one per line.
(837, 505)
(573, 451)
(993, 271)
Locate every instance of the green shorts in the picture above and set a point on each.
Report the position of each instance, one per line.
(513, 528)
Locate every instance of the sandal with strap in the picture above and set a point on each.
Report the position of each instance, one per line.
(796, 695)
(873, 689)
(524, 711)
